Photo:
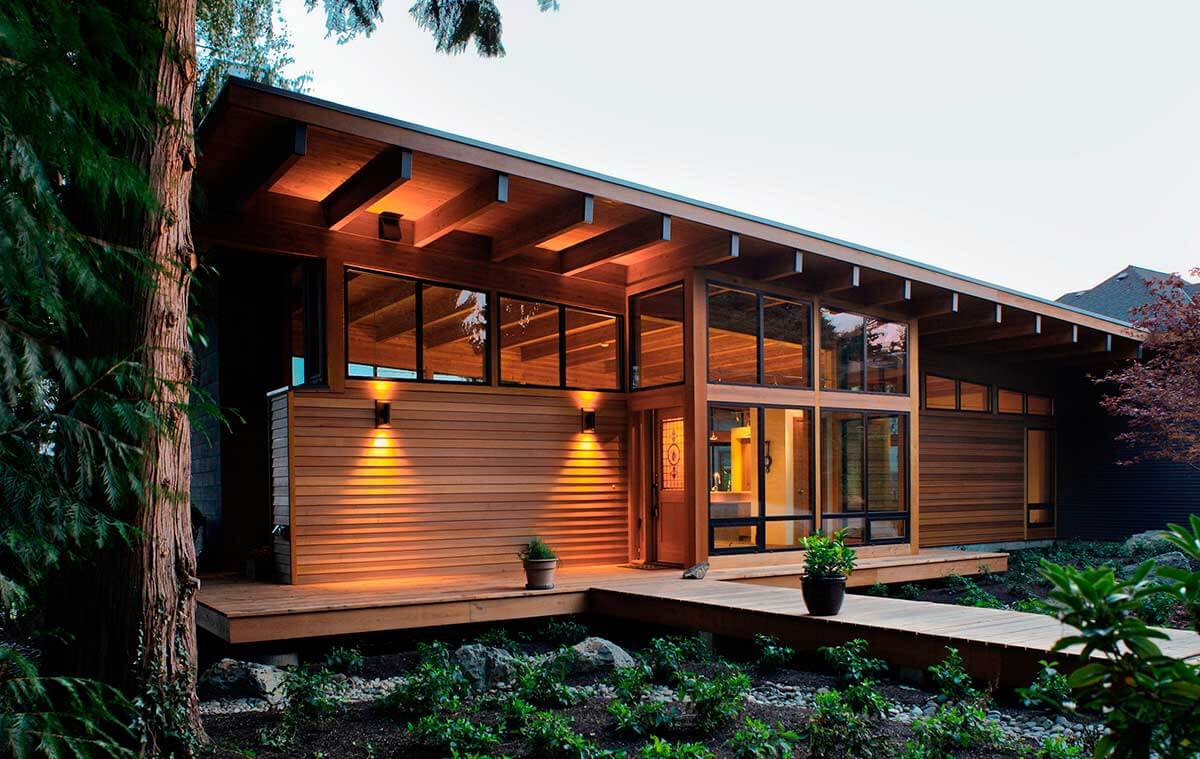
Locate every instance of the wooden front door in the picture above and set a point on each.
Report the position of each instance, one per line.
(668, 508)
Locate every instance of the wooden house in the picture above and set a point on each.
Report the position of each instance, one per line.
(438, 348)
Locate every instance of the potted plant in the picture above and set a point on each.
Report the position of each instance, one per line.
(827, 564)
(540, 562)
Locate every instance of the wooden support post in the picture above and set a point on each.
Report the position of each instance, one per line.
(696, 414)
(914, 436)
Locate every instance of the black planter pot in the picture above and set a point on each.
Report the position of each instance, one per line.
(823, 595)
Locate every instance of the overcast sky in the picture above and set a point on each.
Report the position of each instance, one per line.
(1038, 145)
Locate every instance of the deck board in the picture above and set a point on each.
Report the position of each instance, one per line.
(997, 644)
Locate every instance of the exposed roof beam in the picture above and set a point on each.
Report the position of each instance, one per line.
(541, 226)
(1056, 335)
(941, 304)
(279, 151)
(629, 238)
(1017, 326)
(367, 186)
(715, 252)
(890, 292)
(460, 209)
(954, 322)
(780, 266)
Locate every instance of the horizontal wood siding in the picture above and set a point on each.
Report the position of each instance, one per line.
(972, 479)
(461, 479)
(281, 512)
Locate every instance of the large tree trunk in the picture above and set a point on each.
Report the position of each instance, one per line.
(132, 614)
(162, 574)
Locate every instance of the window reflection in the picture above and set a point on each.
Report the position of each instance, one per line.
(381, 326)
(593, 350)
(529, 342)
(786, 335)
(842, 340)
(732, 335)
(864, 464)
(454, 334)
(886, 352)
(657, 332)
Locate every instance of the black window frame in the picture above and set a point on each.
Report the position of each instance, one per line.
(958, 383)
(866, 317)
(635, 342)
(419, 330)
(760, 336)
(316, 355)
(562, 345)
(866, 514)
(760, 521)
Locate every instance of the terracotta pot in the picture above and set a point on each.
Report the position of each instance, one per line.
(539, 573)
(823, 595)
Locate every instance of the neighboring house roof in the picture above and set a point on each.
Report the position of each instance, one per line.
(1124, 291)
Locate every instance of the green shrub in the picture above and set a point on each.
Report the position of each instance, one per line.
(542, 682)
(643, 718)
(630, 683)
(1159, 609)
(312, 695)
(498, 637)
(953, 728)
(771, 654)
(1146, 699)
(951, 680)
(347, 661)
(550, 736)
(514, 712)
(715, 700)
(562, 631)
(863, 698)
(910, 591)
(665, 656)
(436, 685)
(1049, 689)
(1055, 748)
(836, 730)
(850, 661)
(1033, 605)
(758, 740)
(972, 594)
(454, 735)
(657, 748)
(879, 590)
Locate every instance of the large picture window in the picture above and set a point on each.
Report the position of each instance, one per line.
(404, 329)
(549, 345)
(760, 472)
(657, 335)
(306, 322)
(863, 353)
(864, 480)
(757, 339)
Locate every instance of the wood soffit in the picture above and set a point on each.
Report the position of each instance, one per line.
(288, 160)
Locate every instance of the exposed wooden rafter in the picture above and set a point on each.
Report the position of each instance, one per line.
(1021, 325)
(460, 209)
(629, 238)
(942, 304)
(780, 266)
(279, 151)
(539, 227)
(385, 172)
(957, 321)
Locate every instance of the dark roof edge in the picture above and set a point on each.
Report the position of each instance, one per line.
(358, 112)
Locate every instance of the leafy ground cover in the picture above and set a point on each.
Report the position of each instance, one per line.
(681, 698)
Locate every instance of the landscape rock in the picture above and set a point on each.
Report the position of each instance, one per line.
(230, 678)
(597, 653)
(1173, 559)
(1142, 545)
(696, 571)
(485, 666)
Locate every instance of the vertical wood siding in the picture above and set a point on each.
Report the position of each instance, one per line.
(972, 479)
(459, 482)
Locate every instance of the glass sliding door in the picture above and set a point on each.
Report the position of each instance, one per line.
(760, 478)
(864, 480)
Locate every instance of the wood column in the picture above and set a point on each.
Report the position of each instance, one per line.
(695, 425)
(914, 438)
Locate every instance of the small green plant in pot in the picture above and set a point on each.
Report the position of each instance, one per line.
(540, 562)
(827, 564)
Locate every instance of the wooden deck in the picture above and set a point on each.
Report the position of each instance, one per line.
(996, 644)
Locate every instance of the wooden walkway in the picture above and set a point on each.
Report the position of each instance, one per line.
(996, 644)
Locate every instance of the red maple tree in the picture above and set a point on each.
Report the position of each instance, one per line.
(1159, 396)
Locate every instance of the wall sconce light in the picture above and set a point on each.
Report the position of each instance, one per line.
(389, 226)
(588, 419)
(383, 414)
